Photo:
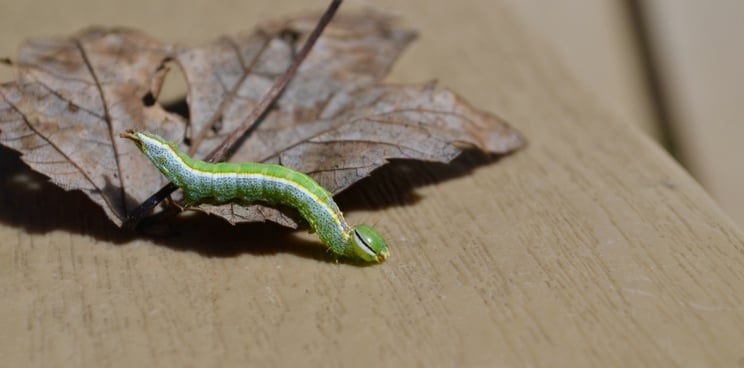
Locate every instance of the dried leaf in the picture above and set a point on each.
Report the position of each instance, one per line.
(229, 76)
(72, 98)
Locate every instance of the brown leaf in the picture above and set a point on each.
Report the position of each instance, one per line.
(229, 76)
(72, 98)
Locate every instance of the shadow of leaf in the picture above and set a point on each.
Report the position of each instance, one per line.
(30, 202)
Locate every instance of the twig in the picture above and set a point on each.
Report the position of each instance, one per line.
(249, 124)
(217, 115)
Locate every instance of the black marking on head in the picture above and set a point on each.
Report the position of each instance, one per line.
(366, 247)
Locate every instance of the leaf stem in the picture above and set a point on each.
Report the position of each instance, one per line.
(249, 124)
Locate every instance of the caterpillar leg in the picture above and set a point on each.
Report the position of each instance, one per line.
(172, 202)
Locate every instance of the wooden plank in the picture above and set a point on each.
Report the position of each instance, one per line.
(698, 48)
(589, 248)
(595, 42)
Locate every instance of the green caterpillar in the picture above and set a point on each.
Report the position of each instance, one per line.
(261, 183)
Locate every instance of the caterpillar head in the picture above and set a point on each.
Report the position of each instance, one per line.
(368, 245)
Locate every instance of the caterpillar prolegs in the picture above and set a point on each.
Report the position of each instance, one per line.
(248, 183)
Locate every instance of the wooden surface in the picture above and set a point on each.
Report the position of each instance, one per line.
(591, 247)
(595, 42)
(701, 59)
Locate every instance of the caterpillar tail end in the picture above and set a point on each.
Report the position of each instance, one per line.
(129, 134)
(133, 136)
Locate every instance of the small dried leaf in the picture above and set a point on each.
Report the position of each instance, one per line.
(73, 97)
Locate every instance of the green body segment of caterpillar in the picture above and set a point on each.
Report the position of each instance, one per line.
(262, 183)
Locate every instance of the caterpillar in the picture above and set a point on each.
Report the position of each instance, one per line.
(248, 183)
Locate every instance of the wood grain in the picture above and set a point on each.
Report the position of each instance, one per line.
(595, 42)
(591, 247)
(700, 61)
